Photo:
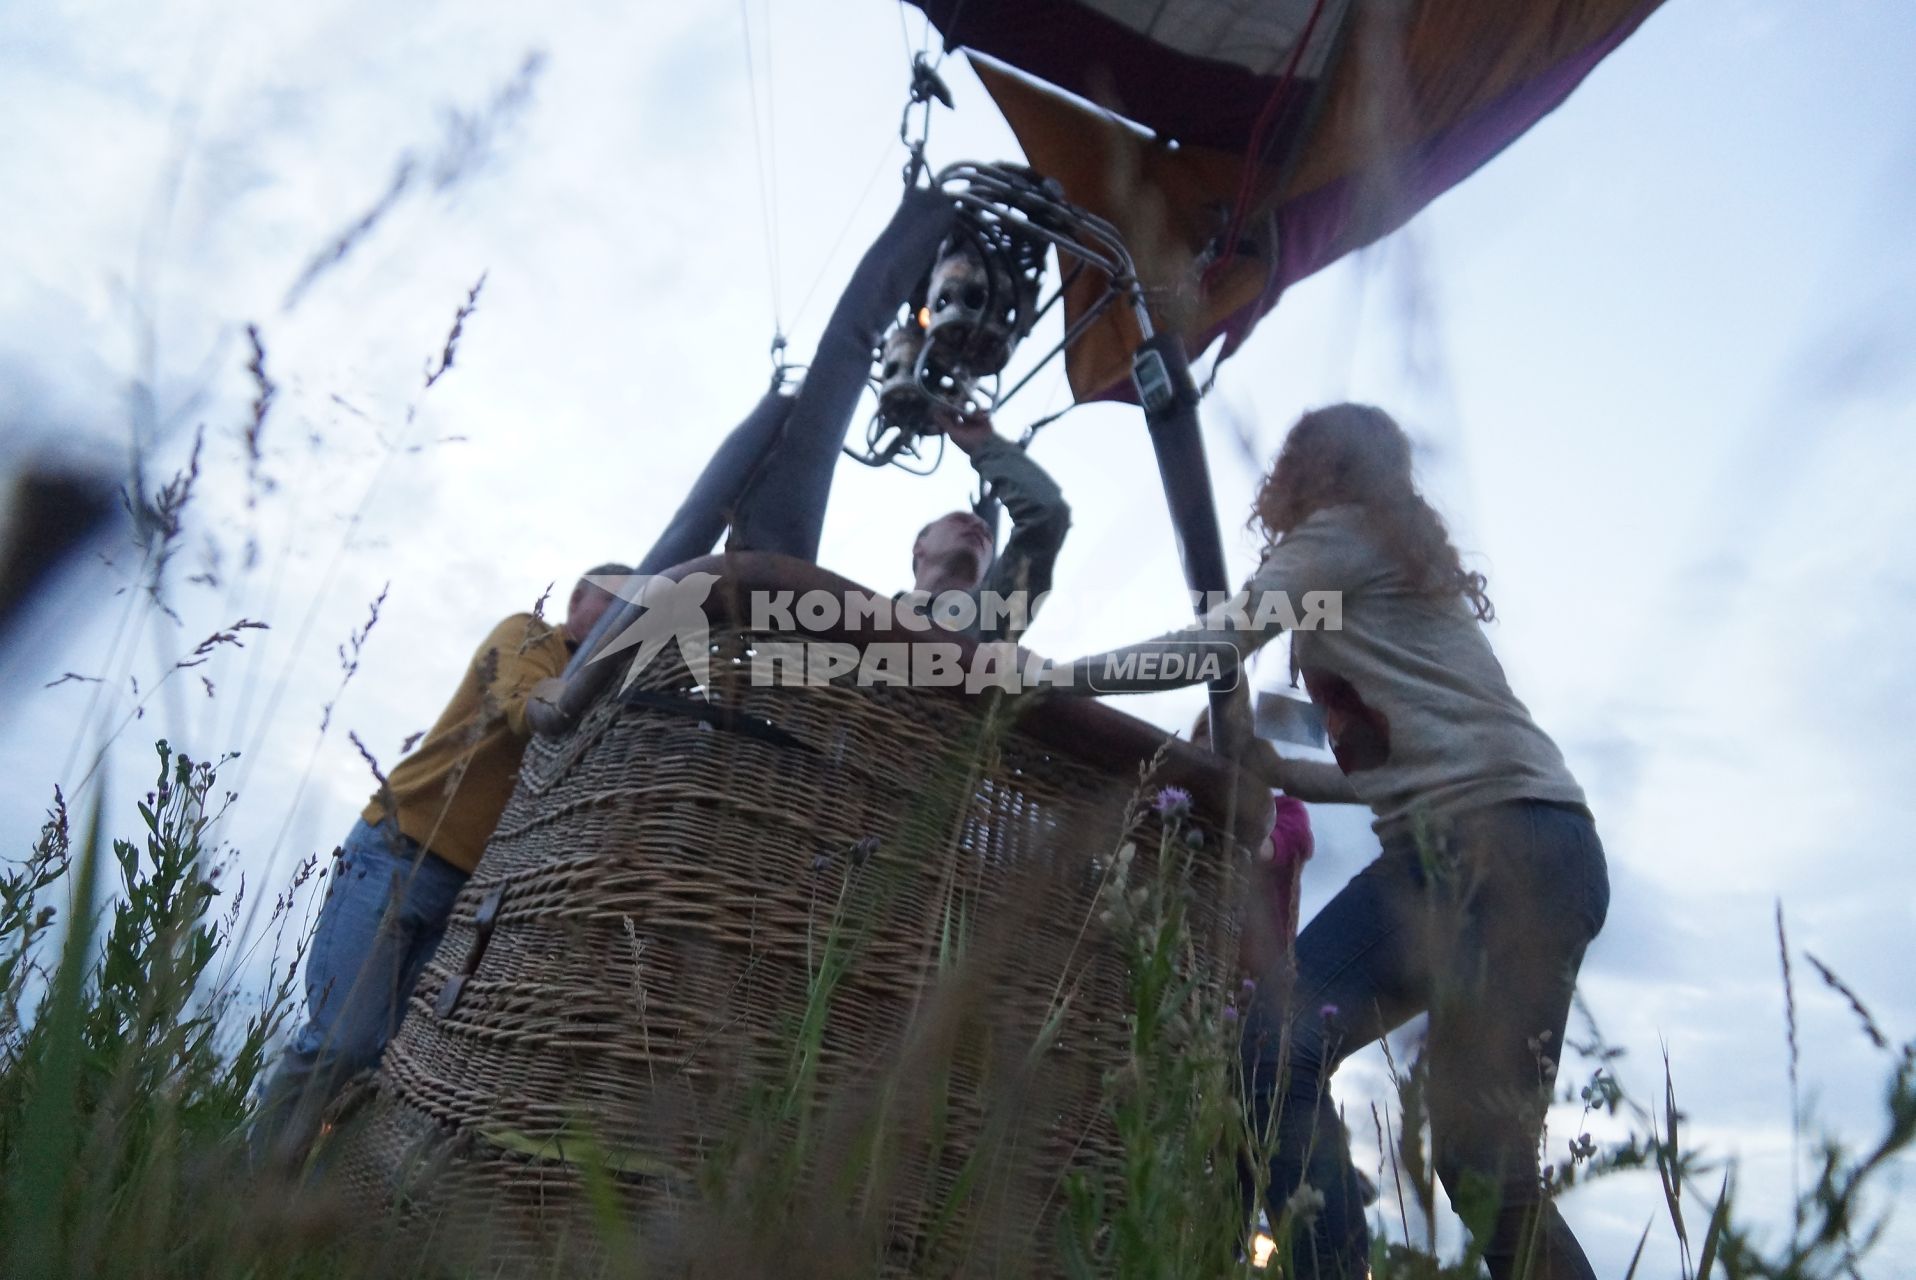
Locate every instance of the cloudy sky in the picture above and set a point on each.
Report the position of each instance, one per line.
(1658, 356)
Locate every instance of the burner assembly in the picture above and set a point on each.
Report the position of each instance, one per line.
(946, 356)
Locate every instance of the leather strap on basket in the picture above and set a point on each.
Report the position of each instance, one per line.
(482, 922)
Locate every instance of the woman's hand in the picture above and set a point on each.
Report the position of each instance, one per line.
(1260, 758)
(1314, 781)
(1238, 734)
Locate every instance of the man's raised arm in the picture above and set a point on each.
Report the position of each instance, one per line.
(1040, 517)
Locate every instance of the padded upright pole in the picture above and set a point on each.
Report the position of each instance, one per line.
(771, 477)
(1170, 399)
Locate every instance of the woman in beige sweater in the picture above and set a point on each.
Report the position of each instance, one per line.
(1491, 881)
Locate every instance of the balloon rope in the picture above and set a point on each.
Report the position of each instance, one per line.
(1254, 152)
(767, 201)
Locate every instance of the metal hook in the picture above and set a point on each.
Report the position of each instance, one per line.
(926, 83)
(779, 368)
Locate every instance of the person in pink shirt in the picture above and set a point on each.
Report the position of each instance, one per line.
(1277, 877)
(1282, 870)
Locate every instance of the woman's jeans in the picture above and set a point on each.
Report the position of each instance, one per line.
(385, 912)
(1481, 923)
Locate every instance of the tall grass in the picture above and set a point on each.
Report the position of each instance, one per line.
(1176, 1211)
(128, 1054)
(126, 1062)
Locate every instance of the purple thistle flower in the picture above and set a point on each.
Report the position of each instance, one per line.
(1327, 1012)
(1230, 1014)
(1172, 802)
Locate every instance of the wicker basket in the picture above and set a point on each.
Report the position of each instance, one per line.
(615, 1028)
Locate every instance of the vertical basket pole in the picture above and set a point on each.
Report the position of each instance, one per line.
(1169, 396)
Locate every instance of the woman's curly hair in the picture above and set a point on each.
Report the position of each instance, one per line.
(1356, 453)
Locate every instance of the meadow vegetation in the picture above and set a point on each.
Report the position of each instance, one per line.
(129, 1048)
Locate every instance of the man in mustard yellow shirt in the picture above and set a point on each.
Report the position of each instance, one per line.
(406, 859)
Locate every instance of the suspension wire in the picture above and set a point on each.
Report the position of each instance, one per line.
(1287, 162)
(1257, 150)
(878, 167)
(1071, 278)
(988, 494)
(944, 51)
(1031, 432)
(1077, 329)
(925, 86)
(767, 207)
(845, 231)
(904, 30)
(771, 146)
(1032, 429)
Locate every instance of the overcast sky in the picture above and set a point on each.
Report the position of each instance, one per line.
(1658, 356)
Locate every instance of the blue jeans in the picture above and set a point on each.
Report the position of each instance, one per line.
(384, 914)
(1483, 926)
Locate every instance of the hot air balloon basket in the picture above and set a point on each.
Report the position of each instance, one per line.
(745, 959)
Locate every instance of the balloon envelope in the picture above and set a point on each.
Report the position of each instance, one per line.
(1240, 148)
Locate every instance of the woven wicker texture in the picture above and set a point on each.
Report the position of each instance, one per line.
(676, 904)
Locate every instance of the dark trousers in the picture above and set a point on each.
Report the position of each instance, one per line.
(1482, 924)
